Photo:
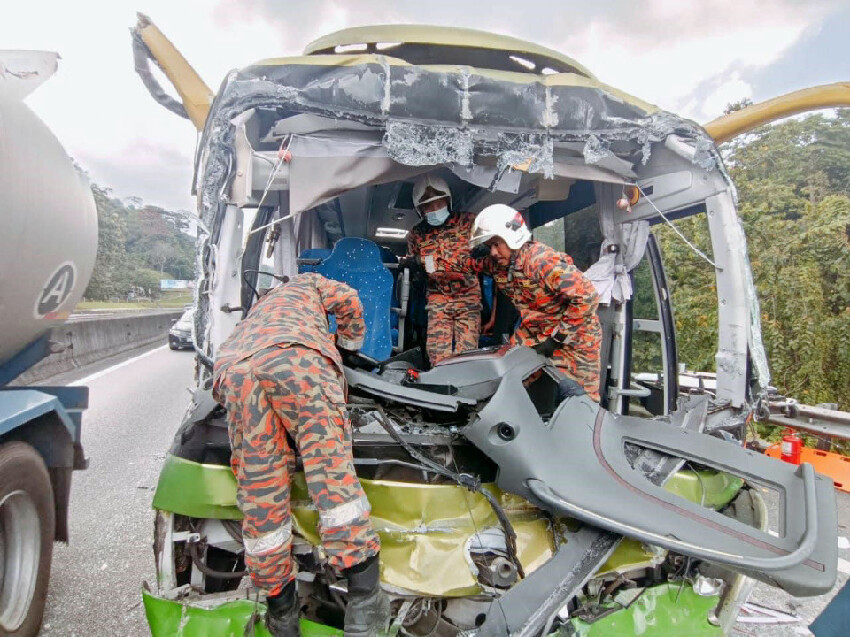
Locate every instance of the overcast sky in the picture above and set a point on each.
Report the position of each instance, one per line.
(688, 56)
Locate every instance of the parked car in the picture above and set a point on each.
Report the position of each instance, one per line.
(180, 334)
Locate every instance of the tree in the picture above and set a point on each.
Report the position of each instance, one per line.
(137, 246)
(793, 181)
(111, 257)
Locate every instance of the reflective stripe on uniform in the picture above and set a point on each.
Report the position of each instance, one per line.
(344, 513)
(270, 542)
(349, 343)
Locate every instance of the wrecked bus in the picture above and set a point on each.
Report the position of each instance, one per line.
(502, 510)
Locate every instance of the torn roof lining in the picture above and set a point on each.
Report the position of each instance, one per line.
(568, 157)
(451, 134)
(335, 159)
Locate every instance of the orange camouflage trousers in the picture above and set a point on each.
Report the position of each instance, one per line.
(295, 390)
(581, 365)
(451, 331)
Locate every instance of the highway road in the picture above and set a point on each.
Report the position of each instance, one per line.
(136, 406)
(95, 586)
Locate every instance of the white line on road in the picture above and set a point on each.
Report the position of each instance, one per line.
(843, 542)
(104, 372)
(844, 566)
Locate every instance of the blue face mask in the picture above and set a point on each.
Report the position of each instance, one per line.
(437, 217)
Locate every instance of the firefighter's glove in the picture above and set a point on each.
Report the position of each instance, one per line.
(409, 262)
(417, 272)
(548, 347)
(480, 252)
(356, 359)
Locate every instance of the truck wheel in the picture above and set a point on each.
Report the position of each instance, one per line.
(26, 539)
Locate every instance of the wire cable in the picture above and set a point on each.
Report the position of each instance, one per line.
(678, 232)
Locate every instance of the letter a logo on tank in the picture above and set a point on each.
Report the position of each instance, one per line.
(56, 290)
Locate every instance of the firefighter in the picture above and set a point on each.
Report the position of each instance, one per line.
(280, 378)
(440, 244)
(557, 304)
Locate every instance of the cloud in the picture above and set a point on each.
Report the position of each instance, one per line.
(160, 175)
(659, 50)
(733, 89)
(688, 56)
(704, 42)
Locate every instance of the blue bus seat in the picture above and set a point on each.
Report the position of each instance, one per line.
(357, 262)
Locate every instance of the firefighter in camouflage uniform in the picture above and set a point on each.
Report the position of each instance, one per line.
(280, 378)
(557, 304)
(440, 244)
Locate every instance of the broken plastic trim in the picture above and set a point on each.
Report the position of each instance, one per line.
(802, 561)
(141, 60)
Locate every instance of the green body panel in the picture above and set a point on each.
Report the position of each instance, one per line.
(663, 610)
(719, 489)
(196, 490)
(424, 528)
(167, 618)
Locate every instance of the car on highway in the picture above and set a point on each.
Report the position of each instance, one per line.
(502, 509)
(180, 334)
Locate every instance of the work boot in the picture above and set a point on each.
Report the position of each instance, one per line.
(282, 615)
(368, 610)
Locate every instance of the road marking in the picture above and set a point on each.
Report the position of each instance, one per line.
(843, 542)
(844, 566)
(104, 372)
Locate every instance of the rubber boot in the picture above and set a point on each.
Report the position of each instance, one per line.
(367, 613)
(282, 616)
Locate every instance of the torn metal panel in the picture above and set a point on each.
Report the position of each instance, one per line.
(526, 609)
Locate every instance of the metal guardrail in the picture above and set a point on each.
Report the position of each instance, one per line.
(819, 421)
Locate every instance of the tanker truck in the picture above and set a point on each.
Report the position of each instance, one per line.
(48, 244)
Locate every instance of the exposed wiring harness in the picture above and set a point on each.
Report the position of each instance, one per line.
(473, 483)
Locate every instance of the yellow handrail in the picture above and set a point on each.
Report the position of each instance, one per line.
(808, 99)
(194, 93)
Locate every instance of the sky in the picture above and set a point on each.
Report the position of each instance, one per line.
(692, 57)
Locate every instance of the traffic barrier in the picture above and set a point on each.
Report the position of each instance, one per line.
(85, 342)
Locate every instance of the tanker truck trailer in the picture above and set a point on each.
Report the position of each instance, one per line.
(48, 244)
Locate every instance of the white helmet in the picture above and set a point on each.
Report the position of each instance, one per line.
(422, 183)
(502, 221)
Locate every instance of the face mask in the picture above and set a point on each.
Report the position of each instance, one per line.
(437, 217)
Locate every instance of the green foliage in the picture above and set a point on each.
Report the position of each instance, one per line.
(137, 246)
(693, 291)
(793, 181)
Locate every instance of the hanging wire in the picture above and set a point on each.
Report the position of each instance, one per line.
(678, 232)
(497, 600)
(285, 143)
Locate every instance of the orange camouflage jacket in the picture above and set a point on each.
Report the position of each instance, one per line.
(296, 314)
(444, 253)
(551, 295)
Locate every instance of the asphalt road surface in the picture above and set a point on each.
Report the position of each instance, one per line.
(135, 408)
(95, 584)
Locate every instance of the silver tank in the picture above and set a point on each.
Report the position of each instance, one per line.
(48, 219)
